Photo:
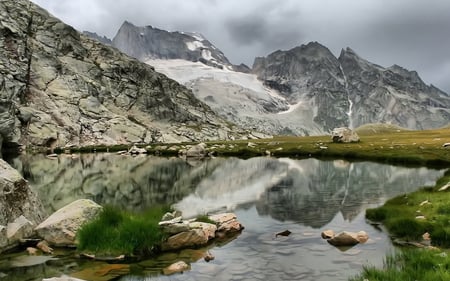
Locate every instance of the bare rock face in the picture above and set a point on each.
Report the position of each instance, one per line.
(58, 87)
(20, 208)
(61, 227)
(349, 91)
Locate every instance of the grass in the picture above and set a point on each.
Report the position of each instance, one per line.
(408, 217)
(204, 218)
(115, 232)
(410, 265)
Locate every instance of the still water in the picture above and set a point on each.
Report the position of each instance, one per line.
(268, 195)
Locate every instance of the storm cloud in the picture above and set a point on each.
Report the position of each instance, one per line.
(414, 34)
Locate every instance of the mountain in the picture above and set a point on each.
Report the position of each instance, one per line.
(350, 91)
(102, 39)
(303, 91)
(152, 43)
(60, 87)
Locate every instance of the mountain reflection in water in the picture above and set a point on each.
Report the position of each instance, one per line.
(307, 191)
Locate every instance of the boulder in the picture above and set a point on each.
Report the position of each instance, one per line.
(197, 151)
(61, 227)
(136, 150)
(174, 228)
(345, 238)
(344, 134)
(19, 207)
(208, 229)
(177, 267)
(19, 229)
(192, 238)
(227, 222)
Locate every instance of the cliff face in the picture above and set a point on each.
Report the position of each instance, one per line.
(148, 42)
(59, 87)
(350, 91)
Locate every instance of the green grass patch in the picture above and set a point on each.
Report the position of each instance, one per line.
(410, 264)
(204, 218)
(115, 232)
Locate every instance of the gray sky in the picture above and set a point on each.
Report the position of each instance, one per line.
(414, 34)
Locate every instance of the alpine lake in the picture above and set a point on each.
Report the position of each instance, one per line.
(268, 195)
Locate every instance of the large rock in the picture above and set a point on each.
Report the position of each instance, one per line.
(61, 227)
(197, 151)
(20, 207)
(227, 222)
(187, 239)
(344, 134)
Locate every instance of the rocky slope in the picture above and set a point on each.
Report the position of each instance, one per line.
(59, 87)
(350, 91)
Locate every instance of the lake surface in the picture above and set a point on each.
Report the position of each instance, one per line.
(268, 195)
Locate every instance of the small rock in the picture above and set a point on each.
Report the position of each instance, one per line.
(446, 144)
(445, 187)
(327, 234)
(348, 238)
(424, 203)
(136, 150)
(62, 278)
(44, 247)
(32, 251)
(209, 257)
(420, 217)
(177, 267)
(283, 233)
(251, 144)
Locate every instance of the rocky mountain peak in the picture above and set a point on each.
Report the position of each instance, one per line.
(147, 42)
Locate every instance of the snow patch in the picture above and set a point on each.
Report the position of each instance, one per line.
(194, 45)
(206, 54)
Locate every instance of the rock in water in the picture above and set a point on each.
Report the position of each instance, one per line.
(283, 233)
(61, 227)
(177, 267)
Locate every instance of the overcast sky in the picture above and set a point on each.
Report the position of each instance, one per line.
(414, 34)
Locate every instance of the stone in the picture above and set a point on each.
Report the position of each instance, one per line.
(222, 218)
(136, 150)
(44, 247)
(175, 228)
(208, 229)
(31, 251)
(209, 257)
(230, 226)
(446, 144)
(197, 151)
(177, 267)
(345, 239)
(327, 234)
(61, 227)
(19, 229)
(344, 135)
(444, 187)
(187, 239)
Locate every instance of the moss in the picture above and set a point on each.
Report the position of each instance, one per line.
(204, 218)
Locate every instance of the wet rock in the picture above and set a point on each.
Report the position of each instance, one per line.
(192, 238)
(177, 267)
(103, 272)
(61, 227)
(227, 222)
(283, 233)
(44, 247)
(31, 251)
(208, 229)
(327, 234)
(348, 238)
(344, 135)
(208, 257)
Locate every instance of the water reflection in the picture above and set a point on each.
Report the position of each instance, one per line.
(268, 195)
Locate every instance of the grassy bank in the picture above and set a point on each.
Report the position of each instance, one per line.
(409, 219)
(115, 232)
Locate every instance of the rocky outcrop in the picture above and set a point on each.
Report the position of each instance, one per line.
(349, 91)
(59, 87)
(61, 227)
(20, 208)
(192, 233)
(344, 134)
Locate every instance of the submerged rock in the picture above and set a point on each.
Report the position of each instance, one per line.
(177, 267)
(61, 227)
